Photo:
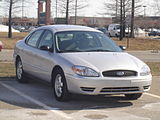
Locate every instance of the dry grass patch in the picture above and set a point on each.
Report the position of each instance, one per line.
(9, 43)
(139, 43)
(7, 69)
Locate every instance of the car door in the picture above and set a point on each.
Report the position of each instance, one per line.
(29, 52)
(44, 58)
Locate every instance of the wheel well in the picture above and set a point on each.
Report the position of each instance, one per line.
(54, 69)
(17, 58)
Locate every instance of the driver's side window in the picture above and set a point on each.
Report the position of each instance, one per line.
(46, 40)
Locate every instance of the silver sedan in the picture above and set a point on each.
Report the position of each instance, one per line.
(78, 59)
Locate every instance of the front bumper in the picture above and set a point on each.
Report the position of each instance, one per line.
(108, 85)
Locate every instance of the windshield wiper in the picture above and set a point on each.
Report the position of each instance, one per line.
(70, 51)
(99, 50)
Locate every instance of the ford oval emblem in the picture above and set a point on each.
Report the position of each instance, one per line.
(120, 73)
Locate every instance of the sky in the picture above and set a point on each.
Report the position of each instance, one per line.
(94, 7)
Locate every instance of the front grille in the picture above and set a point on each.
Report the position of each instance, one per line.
(119, 73)
(87, 89)
(120, 89)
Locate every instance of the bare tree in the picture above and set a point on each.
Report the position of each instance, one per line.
(156, 6)
(112, 7)
(132, 19)
(13, 6)
(71, 7)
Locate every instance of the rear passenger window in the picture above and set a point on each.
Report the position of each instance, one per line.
(32, 41)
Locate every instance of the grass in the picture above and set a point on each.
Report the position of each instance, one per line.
(139, 43)
(155, 68)
(134, 44)
(9, 43)
(8, 69)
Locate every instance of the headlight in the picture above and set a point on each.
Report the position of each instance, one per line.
(145, 70)
(85, 71)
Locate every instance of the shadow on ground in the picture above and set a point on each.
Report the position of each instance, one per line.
(44, 94)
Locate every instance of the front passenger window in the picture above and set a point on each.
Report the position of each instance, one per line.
(47, 40)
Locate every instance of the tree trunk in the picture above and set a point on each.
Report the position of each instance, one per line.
(67, 11)
(10, 20)
(121, 20)
(75, 22)
(124, 18)
(132, 19)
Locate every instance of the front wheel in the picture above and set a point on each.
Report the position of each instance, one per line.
(133, 96)
(60, 86)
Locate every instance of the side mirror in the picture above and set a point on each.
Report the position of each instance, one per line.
(46, 48)
(122, 47)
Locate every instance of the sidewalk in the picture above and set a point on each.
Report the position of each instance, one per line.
(146, 56)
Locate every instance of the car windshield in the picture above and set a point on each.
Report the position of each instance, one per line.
(84, 41)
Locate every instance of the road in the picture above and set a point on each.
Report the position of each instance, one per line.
(146, 56)
(35, 101)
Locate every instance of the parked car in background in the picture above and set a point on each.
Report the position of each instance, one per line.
(81, 60)
(154, 33)
(114, 30)
(104, 30)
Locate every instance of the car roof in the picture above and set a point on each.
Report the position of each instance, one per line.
(59, 28)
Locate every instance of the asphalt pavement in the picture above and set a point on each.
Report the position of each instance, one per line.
(35, 101)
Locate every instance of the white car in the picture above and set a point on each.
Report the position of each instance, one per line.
(78, 59)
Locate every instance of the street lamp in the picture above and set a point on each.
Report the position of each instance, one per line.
(144, 10)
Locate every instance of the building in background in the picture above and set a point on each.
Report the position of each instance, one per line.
(87, 21)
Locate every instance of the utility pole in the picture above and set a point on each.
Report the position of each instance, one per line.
(22, 9)
(132, 19)
(76, 12)
(67, 11)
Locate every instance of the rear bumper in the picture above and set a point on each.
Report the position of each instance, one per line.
(96, 86)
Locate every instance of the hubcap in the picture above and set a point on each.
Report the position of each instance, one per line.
(58, 85)
(19, 70)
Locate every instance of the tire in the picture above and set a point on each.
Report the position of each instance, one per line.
(60, 86)
(20, 76)
(133, 96)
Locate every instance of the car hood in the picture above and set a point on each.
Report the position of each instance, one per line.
(104, 61)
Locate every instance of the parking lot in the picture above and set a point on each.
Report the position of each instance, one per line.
(35, 100)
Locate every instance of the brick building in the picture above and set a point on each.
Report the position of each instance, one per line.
(87, 21)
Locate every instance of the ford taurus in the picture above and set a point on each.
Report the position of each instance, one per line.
(81, 60)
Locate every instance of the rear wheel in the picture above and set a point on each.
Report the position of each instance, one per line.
(19, 72)
(133, 96)
(60, 86)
